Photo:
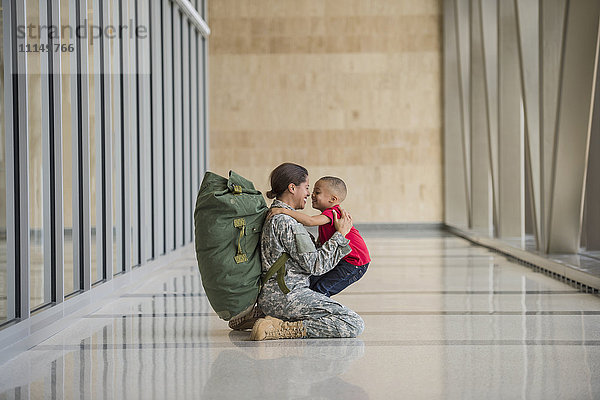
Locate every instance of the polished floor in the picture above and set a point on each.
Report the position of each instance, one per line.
(444, 319)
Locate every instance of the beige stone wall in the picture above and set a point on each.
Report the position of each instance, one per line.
(350, 88)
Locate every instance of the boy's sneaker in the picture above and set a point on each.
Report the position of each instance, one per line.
(247, 320)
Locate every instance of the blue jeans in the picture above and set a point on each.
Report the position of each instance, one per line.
(339, 278)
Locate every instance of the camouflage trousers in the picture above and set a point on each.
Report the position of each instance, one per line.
(322, 317)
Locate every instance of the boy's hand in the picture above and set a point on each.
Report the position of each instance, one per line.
(344, 223)
(275, 211)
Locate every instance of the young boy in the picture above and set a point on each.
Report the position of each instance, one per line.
(327, 195)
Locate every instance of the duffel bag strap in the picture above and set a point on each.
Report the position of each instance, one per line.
(279, 268)
(240, 256)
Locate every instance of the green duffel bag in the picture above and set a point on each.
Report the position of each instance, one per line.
(228, 220)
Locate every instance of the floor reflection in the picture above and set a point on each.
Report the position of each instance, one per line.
(300, 369)
(444, 319)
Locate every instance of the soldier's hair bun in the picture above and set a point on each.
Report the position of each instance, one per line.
(283, 175)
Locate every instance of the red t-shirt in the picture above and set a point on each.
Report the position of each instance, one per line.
(359, 254)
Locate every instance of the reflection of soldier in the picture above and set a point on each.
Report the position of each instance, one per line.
(302, 312)
(303, 372)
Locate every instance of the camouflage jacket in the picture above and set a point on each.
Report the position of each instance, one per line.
(282, 233)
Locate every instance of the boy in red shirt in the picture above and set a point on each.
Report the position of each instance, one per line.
(327, 195)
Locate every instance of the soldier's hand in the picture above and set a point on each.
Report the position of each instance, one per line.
(344, 223)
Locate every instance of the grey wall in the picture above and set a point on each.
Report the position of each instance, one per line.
(519, 99)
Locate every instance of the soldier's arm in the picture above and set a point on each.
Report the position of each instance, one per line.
(297, 243)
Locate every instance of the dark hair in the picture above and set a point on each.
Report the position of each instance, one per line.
(336, 185)
(283, 175)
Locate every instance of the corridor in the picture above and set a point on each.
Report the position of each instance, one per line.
(444, 319)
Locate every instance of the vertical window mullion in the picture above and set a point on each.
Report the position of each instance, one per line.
(185, 142)
(106, 139)
(47, 139)
(205, 131)
(15, 96)
(116, 144)
(97, 151)
(153, 172)
(156, 74)
(177, 122)
(57, 227)
(38, 160)
(168, 92)
(9, 54)
(138, 136)
(132, 141)
(193, 120)
(125, 139)
(84, 222)
(145, 132)
(200, 106)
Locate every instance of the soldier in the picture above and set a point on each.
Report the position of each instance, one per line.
(302, 312)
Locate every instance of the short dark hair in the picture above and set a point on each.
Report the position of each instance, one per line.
(336, 185)
(283, 175)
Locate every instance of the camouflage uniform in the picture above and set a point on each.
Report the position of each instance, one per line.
(321, 316)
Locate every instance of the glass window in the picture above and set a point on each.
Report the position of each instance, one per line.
(134, 143)
(94, 139)
(158, 132)
(186, 182)
(116, 121)
(36, 165)
(147, 167)
(71, 277)
(3, 248)
(178, 116)
(169, 124)
(194, 118)
(201, 106)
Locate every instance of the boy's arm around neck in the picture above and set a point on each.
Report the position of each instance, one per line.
(307, 220)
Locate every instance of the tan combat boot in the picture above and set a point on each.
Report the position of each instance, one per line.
(272, 328)
(246, 320)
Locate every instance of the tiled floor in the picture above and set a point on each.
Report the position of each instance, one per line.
(444, 319)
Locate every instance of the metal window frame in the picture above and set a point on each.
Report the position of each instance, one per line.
(511, 199)
(188, 9)
(107, 154)
(146, 200)
(74, 122)
(14, 220)
(47, 139)
(177, 17)
(195, 157)
(22, 168)
(99, 128)
(455, 193)
(57, 205)
(185, 124)
(479, 151)
(205, 106)
(168, 125)
(132, 140)
(591, 235)
(82, 221)
(125, 99)
(115, 96)
(157, 107)
(193, 131)
(144, 145)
